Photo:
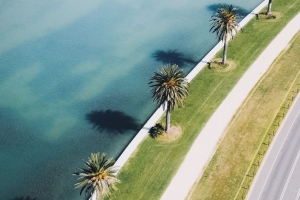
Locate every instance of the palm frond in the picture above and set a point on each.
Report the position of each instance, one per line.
(225, 22)
(99, 177)
(169, 85)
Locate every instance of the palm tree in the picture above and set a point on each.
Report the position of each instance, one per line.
(269, 7)
(169, 87)
(99, 177)
(224, 23)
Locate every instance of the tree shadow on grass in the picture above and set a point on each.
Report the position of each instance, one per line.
(172, 57)
(214, 7)
(114, 121)
(23, 198)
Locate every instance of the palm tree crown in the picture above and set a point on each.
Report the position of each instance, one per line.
(99, 176)
(169, 86)
(224, 22)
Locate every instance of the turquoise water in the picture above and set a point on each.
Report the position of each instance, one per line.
(74, 80)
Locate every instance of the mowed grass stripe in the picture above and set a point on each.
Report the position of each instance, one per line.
(225, 173)
(147, 174)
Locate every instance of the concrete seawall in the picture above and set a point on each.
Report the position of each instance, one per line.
(158, 113)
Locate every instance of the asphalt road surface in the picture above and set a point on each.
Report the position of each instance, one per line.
(279, 174)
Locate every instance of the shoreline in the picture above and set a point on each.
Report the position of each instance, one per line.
(207, 141)
(131, 147)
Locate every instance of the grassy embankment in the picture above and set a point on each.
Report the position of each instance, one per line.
(231, 170)
(148, 172)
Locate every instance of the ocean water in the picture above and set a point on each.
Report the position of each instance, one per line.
(74, 80)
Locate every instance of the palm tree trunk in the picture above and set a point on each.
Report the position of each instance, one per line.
(168, 116)
(269, 7)
(224, 51)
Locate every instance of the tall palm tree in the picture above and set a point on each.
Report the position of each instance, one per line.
(224, 23)
(99, 177)
(269, 7)
(169, 87)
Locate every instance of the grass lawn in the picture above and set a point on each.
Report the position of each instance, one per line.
(149, 171)
(251, 130)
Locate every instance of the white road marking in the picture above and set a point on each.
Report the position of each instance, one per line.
(290, 175)
(277, 155)
(298, 195)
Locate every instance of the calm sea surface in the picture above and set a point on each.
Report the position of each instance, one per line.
(74, 80)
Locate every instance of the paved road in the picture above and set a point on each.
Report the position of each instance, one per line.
(279, 175)
(207, 141)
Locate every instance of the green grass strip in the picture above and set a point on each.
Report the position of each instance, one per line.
(273, 127)
(148, 172)
(233, 167)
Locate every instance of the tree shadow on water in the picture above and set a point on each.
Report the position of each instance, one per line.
(214, 7)
(23, 198)
(172, 57)
(114, 121)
